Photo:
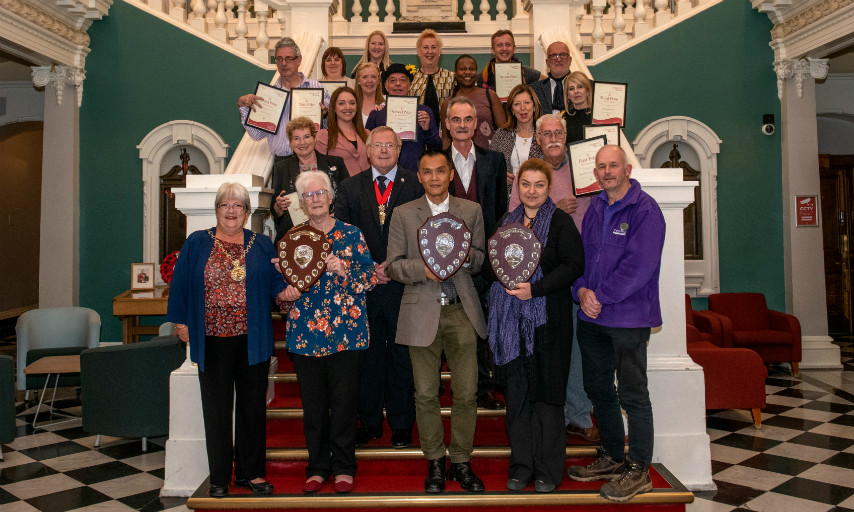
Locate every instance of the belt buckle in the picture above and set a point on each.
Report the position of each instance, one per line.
(444, 301)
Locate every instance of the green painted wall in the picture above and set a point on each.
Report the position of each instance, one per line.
(142, 72)
(716, 68)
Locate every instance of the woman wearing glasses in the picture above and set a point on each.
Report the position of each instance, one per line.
(219, 301)
(302, 136)
(328, 338)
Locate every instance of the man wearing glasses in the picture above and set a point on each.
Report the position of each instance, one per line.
(288, 60)
(550, 90)
(367, 201)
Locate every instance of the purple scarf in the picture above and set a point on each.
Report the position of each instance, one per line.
(512, 321)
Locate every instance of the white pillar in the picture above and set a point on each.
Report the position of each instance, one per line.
(547, 15)
(676, 385)
(59, 258)
(186, 457)
(804, 272)
(312, 15)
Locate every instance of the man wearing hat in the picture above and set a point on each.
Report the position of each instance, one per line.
(397, 79)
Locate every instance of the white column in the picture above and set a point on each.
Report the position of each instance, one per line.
(676, 385)
(186, 457)
(804, 272)
(241, 43)
(467, 9)
(599, 48)
(261, 52)
(620, 37)
(662, 12)
(59, 258)
(220, 32)
(373, 9)
(547, 15)
(197, 18)
(641, 26)
(176, 10)
(521, 22)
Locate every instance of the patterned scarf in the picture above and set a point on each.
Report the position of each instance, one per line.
(512, 321)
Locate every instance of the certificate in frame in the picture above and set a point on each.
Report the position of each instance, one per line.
(305, 102)
(331, 85)
(582, 162)
(402, 116)
(142, 276)
(609, 103)
(610, 131)
(268, 116)
(507, 76)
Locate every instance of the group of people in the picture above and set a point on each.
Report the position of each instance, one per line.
(372, 334)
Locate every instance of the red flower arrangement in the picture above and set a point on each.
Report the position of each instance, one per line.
(168, 266)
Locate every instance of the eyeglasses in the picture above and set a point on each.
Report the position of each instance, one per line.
(555, 134)
(233, 206)
(289, 59)
(387, 145)
(319, 194)
(558, 56)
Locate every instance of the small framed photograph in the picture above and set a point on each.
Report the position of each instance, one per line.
(142, 276)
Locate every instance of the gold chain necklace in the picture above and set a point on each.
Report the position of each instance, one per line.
(238, 271)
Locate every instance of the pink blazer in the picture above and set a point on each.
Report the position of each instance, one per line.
(356, 158)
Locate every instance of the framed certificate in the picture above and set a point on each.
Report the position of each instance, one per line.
(142, 276)
(610, 131)
(268, 115)
(507, 76)
(582, 162)
(609, 103)
(330, 86)
(402, 116)
(306, 103)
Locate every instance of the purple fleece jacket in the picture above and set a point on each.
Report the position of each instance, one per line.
(622, 253)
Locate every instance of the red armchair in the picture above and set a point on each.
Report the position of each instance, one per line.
(748, 323)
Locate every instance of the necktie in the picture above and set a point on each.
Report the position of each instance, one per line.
(381, 183)
(557, 101)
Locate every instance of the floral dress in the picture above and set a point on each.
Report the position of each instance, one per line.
(332, 315)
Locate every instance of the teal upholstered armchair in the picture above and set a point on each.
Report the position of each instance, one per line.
(125, 388)
(7, 400)
(54, 332)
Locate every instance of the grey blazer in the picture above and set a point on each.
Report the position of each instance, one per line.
(420, 308)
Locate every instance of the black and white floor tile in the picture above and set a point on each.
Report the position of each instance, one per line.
(802, 459)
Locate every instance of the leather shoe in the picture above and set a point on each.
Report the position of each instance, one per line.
(401, 438)
(435, 481)
(312, 485)
(488, 400)
(343, 486)
(260, 488)
(461, 472)
(365, 435)
(590, 434)
(218, 491)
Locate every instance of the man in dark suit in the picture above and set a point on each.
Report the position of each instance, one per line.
(481, 176)
(367, 201)
(440, 316)
(550, 89)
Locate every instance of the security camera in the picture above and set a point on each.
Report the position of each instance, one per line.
(768, 124)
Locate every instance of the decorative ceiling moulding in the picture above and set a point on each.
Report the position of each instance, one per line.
(814, 32)
(808, 17)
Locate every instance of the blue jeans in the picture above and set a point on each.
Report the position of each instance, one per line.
(577, 409)
(603, 351)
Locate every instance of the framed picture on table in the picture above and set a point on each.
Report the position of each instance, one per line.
(142, 276)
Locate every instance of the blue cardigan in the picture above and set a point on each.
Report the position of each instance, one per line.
(187, 294)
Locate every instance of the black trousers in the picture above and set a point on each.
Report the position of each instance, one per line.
(329, 388)
(228, 372)
(535, 430)
(386, 375)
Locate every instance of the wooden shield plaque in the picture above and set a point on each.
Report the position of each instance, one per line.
(514, 252)
(444, 242)
(302, 255)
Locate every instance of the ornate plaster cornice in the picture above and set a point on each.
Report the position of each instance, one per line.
(808, 17)
(46, 21)
(799, 69)
(58, 77)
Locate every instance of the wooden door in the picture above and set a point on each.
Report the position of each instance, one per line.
(837, 214)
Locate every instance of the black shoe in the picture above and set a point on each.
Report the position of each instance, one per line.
(435, 481)
(262, 488)
(401, 438)
(366, 435)
(218, 491)
(489, 401)
(461, 472)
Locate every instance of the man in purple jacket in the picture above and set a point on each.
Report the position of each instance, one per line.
(623, 235)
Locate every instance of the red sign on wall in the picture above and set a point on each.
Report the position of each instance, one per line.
(806, 210)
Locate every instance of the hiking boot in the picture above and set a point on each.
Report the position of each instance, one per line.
(602, 468)
(634, 480)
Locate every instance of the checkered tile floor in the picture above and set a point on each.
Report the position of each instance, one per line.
(801, 460)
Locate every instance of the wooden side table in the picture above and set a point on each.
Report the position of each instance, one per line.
(53, 365)
(130, 305)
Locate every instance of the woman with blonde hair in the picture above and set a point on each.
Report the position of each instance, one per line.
(431, 83)
(368, 88)
(345, 135)
(376, 51)
(577, 94)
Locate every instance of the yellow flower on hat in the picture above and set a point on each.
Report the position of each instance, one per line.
(411, 68)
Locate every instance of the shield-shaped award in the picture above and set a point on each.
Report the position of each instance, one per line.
(514, 252)
(444, 242)
(302, 255)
